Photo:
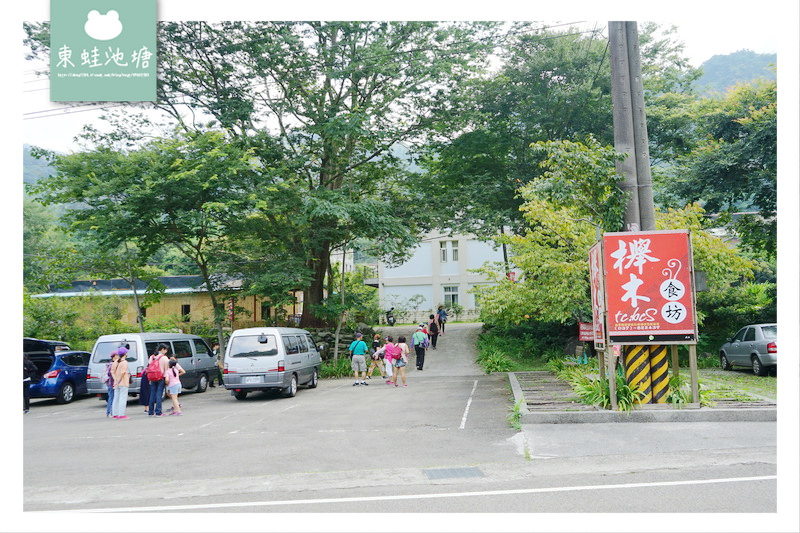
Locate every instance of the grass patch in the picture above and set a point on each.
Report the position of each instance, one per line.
(502, 353)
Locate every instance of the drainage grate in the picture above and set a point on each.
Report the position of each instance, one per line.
(442, 473)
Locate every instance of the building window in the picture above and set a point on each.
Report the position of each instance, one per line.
(455, 250)
(450, 295)
(186, 309)
(443, 251)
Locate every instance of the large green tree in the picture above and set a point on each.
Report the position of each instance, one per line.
(554, 84)
(734, 168)
(323, 106)
(182, 192)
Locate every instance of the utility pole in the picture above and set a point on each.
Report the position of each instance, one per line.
(630, 137)
(624, 140)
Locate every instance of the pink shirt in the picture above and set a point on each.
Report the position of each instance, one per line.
(173, 374)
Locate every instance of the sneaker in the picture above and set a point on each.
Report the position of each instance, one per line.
(389, 382)
(395, 384)
(115, 416)
(122, 417)
(369, 377)
(356, 384)
(404, 385)
(364, 383)
(383, 377)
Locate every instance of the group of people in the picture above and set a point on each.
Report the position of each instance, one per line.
(162, 373)
(392, 358)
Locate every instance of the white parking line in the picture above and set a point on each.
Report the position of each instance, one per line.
(395, 497)
(466, 411)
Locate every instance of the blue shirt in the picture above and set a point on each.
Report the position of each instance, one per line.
(358, 347)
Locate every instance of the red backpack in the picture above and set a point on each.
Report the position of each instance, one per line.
(154, 372)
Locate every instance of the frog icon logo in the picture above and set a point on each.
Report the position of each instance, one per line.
(103, 27)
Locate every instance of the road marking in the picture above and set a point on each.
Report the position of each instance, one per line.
(466, 411)
(395, 497)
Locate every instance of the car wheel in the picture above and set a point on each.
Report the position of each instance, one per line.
(66, 394)
(758, 368)
(241, 395)
(291, 390)
(314, 380)
(202, 383)
(724, 363)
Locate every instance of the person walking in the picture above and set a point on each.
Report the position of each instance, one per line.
(218, 363)
(377, 354)
(108, 378)
(144, 391)
(28, 373)
(358, 362)
(433, 330)
(441, 314)
(418, 340)
(400, 353)
(157, 367)
(174, 385)
(122, 381)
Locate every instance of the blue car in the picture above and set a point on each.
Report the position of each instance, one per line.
(61, 371)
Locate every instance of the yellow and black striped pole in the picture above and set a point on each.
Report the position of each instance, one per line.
(659, 373)
(637, 370)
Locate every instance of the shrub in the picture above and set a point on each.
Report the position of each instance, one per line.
(336, 369)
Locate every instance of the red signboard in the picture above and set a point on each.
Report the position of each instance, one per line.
(598, 303)
(585, 332)
(649, 292)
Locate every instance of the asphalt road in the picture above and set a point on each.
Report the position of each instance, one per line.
(441, 445)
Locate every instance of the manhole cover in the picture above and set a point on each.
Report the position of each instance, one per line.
(442, 473)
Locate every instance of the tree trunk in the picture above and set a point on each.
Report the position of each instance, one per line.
(343, 313)
(314, 293)
(215, 308)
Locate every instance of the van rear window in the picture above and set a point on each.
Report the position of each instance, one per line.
(102, 352)
(249, 346)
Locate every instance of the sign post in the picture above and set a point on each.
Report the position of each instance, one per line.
(646, 278)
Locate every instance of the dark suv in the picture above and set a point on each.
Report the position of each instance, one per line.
(60, 371)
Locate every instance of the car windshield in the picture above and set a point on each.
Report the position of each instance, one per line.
(770, 332)
(249, 346)
(102, 352)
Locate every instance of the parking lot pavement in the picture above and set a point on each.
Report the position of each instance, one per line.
(450, 415)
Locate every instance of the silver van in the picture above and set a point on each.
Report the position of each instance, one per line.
(192, 352)
(259, 359)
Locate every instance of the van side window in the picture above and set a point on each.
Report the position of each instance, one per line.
(152, 347)
(312, 346)
(201, 348)
(182, 349)
(290, 342)
(302, 343)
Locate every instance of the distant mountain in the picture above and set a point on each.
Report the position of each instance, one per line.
(724, 71)
(33, 169)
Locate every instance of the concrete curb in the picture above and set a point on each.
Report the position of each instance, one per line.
(703, 414)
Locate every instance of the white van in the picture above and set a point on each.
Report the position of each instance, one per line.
(192, 352)
(259, 359)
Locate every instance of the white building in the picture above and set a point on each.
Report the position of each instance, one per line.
(436, 273)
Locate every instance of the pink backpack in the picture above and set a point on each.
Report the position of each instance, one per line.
(393, 351)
